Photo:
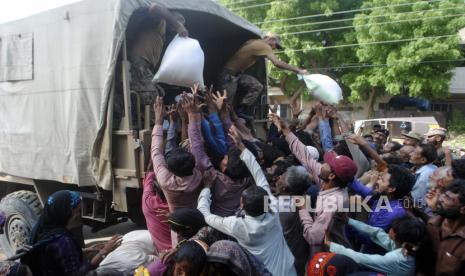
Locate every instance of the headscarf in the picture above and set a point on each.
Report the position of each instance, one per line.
(56, 214)
(236, 258)
(331, 264)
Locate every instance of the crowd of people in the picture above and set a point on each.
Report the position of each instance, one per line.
(311, 198)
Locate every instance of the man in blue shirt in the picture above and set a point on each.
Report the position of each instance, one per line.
(422, 158)
(386, 199)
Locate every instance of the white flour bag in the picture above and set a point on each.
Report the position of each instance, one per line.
(182, 64)
(323, 88)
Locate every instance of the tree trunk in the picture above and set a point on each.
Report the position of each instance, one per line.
(371, 102)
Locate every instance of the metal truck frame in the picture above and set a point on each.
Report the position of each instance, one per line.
(58, 79)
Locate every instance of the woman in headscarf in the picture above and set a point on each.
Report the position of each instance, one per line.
(54, 249)
(229, 258)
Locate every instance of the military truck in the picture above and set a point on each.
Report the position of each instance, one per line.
(58, 80)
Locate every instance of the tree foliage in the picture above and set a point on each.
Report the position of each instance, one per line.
(269, 18)
(416, 67)
(413, 65)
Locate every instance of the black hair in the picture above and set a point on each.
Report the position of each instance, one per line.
(341, 148)
(270, 154)
(401, 179)
(215, 157)
(458, 187)
(458, 168)
(281, 167)
(395, 146)
(236, 169)
(305, 138)
(298, 180)
(410, 231)
(384, 131)
(253, 200)
(186, 221)
(392, 158)
(281, 144)
(251, 147)
(157, 190)
(180, 162)
(193, 253)
(429, 152)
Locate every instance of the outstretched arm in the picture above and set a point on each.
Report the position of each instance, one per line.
(283, 65)
(159, 163)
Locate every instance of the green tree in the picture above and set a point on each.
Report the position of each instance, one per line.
(415, 64)
(277, 16)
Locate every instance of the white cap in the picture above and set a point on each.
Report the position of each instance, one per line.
(313, 152)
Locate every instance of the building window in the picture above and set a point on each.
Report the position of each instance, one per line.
(441, 107)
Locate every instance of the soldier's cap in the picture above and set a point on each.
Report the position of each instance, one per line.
(436, 131)
(278, 39)
(413, 135)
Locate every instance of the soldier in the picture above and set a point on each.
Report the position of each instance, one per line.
(247, 87)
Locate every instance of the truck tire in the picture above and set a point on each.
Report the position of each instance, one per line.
(22, 210)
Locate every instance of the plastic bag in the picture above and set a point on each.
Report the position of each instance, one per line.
(182, 64)
(323, 88)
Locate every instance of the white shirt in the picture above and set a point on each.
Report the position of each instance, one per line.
(262, 236)
(136, 249)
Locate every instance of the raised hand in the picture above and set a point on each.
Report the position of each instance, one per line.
(172, 112)
(210, 102)
(273, 108)
(159, 109)
(112, 244)
(278, 122)
(236, 138)
(181, 112)
(219, 99)
(294, 104)
(188, 104)
(195, 89)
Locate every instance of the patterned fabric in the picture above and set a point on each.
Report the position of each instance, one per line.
(242, 89)
(62, 257)
(236, 258)
(142, 73)
(53, 249)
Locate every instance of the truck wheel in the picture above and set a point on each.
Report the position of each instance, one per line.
(22, 210)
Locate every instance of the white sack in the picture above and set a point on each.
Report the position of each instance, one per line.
(323, 88)
(182, 64)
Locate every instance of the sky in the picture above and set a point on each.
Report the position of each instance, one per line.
(15, 9)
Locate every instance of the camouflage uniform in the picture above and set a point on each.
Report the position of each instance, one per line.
(141, 81)
(243, 90)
